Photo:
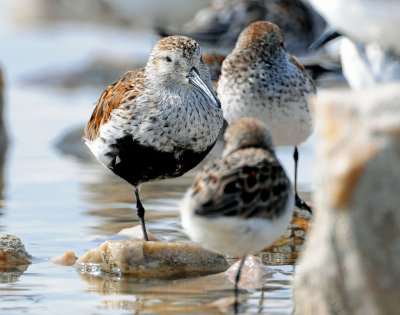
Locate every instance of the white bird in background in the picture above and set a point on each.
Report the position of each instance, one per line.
(370, 50)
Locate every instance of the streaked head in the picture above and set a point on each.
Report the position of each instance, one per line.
(261, 34)
(173, 63)
(247, 133)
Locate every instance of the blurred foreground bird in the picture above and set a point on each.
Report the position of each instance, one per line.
(240, 203)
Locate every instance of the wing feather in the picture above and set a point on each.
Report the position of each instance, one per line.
(125, 89)
(249, 183)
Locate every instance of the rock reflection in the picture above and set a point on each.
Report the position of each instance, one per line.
(210, 294)
(12, 274)
(160, 294)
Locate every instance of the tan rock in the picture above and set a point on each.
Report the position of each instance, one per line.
(66, 259)
(351, 260)
(156, 259)
(136, 233)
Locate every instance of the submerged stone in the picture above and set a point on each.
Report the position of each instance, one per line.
(154, 259)
(253, 275)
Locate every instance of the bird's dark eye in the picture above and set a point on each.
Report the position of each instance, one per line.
(168, 59)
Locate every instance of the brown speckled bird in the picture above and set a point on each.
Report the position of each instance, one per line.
(242, 202)
(158, 122)
(260, 80)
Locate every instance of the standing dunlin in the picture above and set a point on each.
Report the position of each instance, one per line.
(260, 80)
(158, 122)
(240, 203)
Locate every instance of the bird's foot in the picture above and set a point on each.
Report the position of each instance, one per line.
(302, 204)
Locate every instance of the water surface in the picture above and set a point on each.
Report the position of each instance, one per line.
(56, 203)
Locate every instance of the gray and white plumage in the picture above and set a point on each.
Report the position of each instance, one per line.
(260, 80)
(242, 202)
(153, 123)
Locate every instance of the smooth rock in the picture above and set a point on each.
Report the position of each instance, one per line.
(12, 252)
(136, 233)
(70, 143)
(351, 260)
(154, 259)
(66, 259)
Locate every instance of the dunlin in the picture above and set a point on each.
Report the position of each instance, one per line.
(260, 80)
(220, 24)
(240, 203)
(158, 122)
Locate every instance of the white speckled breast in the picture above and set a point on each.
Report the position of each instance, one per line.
(169, 121)
(277, 94)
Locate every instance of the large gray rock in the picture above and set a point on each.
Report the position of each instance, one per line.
(14, 259)
(351, 260)
(12, 252)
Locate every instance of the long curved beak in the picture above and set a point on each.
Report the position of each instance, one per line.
(195, 79)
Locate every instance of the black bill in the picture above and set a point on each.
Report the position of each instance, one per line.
(326, 37)
(194, 78)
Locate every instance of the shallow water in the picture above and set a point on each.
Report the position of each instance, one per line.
(56, 203)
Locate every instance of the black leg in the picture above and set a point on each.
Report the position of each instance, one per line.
(140, 213)
(299, 203)
(236, 306)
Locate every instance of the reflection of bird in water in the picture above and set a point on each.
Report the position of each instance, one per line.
(260, 80)
(240, 203)
(220, 24)
(158, 122)
(109, 201)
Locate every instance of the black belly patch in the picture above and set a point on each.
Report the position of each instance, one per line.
(137, 164)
